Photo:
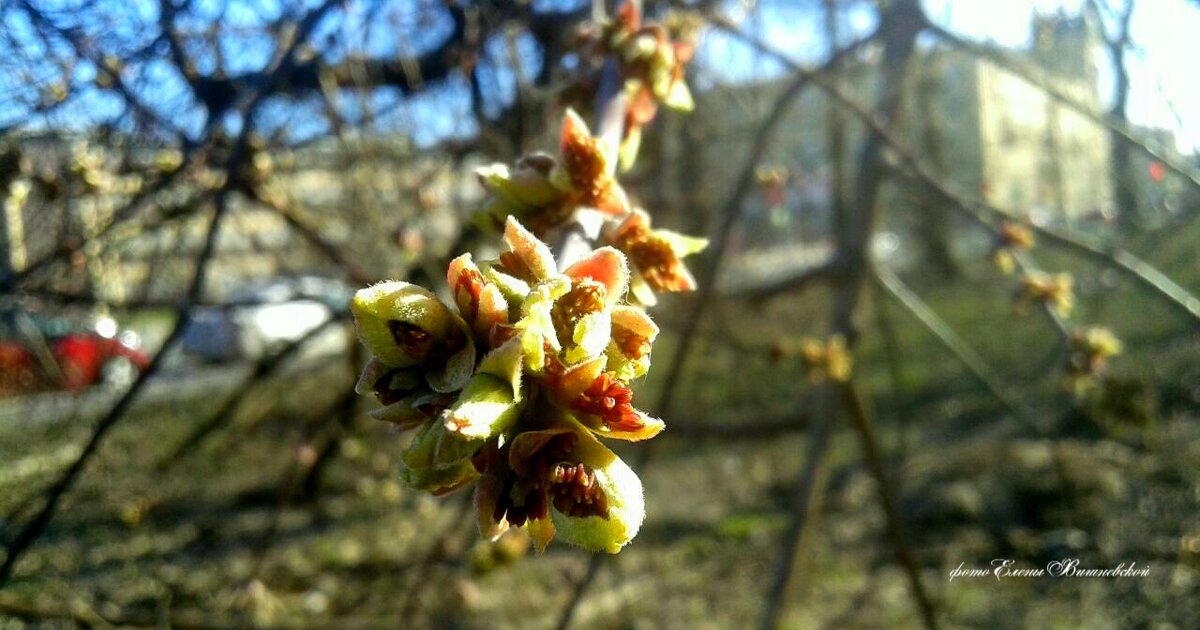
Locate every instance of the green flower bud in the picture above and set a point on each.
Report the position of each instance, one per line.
(623, 491)
(491, 400)
(399, 322)
(436, 463)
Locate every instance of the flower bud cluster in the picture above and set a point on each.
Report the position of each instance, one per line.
(1010, 238)
(652, 61)
(827, 359)
(544, 192)
(1089, 350)
(512, 385)
(1052, 290)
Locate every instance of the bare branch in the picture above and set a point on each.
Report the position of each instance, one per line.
(985, 215)
(264, 368)
(822, 272)
(345, 262)
(281, 64)
(32, 530)
(805, 508)
(853, 403)
(957, 346)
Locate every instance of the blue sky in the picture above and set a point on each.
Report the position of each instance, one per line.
(1164, 91)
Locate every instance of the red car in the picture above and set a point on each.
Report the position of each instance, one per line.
(38, 354)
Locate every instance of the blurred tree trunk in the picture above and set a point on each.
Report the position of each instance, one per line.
(934, 214)
(1121, 157)
(10, 158)
(837, 130)
(901, 21)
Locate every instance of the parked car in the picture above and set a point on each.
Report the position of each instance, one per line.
(263, 319)
(40, 353)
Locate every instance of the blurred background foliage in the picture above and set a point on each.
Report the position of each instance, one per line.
(193, 189)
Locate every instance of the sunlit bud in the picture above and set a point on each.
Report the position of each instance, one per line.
(491, 400)
(1052, 290)
(1089, 351)
(437, 461)
(826, 360)
(400, 322)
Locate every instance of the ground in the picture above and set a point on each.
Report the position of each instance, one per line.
(228, 536)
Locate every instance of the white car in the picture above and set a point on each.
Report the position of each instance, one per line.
(262, 320)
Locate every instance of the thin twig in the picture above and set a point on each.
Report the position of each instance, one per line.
(757, 427)
(282, 64)
(331, 251)
(291, 483)
(957, 346)
(853, 403)
(891, 351)
(263, 369)
(54, 494)
(805, 508)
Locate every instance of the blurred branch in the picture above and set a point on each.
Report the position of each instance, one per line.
(753, 426)
(32, 530)
(957, 346)
(293, 482)
(898, 401)
(345, 262)
(409, 74)
(805, 508)
(310, 485)
(732, 211)
(102, 67)
(900, 22)
(263, 369)
(1124, 188)
(281, 64)
(853, 403)
(122, 215)
(985, 215)
(1142, 272)
(823, 272)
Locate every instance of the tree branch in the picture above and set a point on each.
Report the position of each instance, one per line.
(281, 64)
(983, 214)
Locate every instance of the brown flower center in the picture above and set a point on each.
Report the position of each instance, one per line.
(582, 299)
(653, 257)
(607, 398)
(467, 290)
(414, 340)
(513, 265)
(631, 344)
(550, 477)
(658, 263)
(584, 162)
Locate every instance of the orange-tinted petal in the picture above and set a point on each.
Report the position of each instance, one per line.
(607, 266)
